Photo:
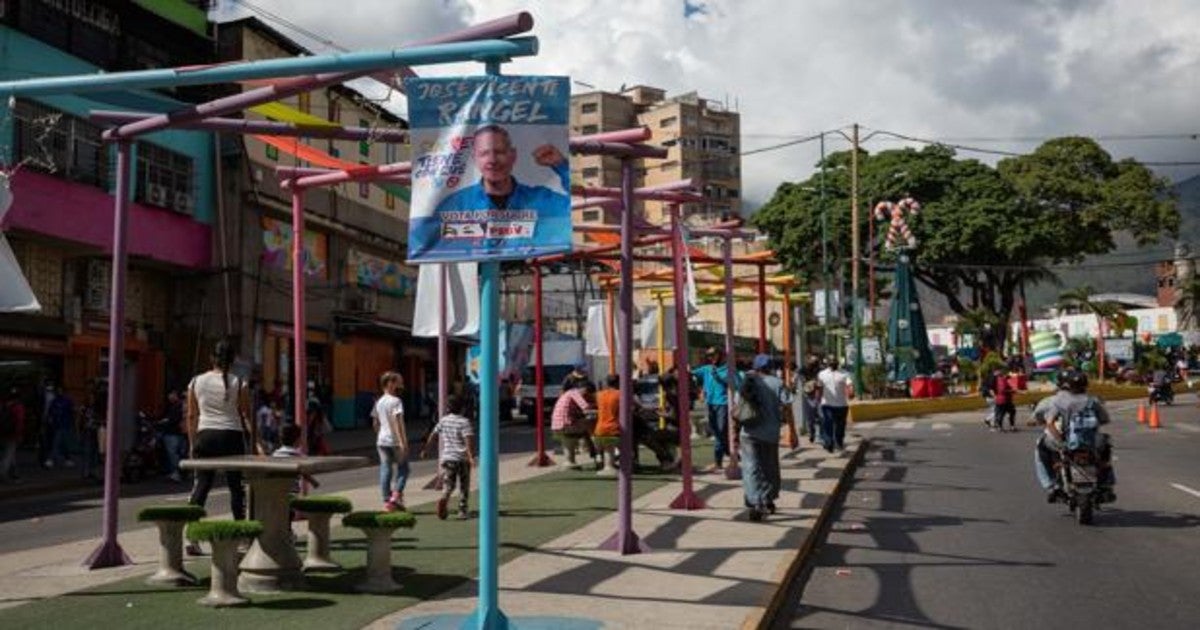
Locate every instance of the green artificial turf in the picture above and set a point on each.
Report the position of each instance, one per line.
(223, 530)
(171, 513)
(432, 557)
(382, 520)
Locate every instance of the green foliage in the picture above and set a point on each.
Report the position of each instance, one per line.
(968, 369)
(990, 364)
(1061, 202)
(171, 513)
(1151, 358)
(387, 520)
(223, 530)
(875, 380)
(322, 503)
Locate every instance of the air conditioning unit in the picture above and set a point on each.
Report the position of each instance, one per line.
(183, 203)
(156, 195)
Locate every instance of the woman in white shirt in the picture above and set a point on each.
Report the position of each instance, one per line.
(391, 441)
(219, 424)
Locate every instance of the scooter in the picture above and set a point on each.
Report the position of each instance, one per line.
(1078, 476)
(1161, 394)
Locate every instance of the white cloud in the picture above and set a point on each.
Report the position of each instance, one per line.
(929, 68)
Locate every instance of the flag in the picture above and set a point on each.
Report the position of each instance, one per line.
(691, 300)
(15, 294)
(462, 300)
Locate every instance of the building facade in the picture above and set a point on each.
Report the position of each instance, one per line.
(60, 223)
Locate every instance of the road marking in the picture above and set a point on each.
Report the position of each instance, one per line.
(942, 426)
(903, 424)
(1183, 488)
(1189, 427)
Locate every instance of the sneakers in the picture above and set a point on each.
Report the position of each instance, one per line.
(175, 476)
(756, 515)
(442, 510)
(193, 549)
(770, 507)
(463, 515)
(395, 503)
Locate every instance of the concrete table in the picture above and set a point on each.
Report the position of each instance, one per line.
(272, 565)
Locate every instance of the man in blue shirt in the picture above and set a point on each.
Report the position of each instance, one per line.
(536, 218)
(714, 382)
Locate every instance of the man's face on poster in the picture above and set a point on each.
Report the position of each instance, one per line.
(495, 157)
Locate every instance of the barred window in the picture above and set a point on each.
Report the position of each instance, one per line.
(164, 178)
(51, 141)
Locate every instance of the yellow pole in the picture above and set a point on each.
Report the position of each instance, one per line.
(662, 362)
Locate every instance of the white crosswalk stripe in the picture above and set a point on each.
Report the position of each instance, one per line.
(1191, 428)
(903, 424)
(942, 426)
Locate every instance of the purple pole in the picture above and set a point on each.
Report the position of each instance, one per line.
(110, 553)
(625, 540)
(732, 470)
(240, 125)
(541, 458)
(299, 354)
(687, 499)
(443, 340)
(633, 134)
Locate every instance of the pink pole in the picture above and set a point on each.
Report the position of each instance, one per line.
(541, 458)
(631, 135)
(620, 149)
(625, 540)
(299, 353)
(110, 553)
(732, 470)
(241, 125)
(687, 499)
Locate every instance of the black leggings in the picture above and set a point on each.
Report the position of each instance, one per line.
(218, 443)
(1006, 409)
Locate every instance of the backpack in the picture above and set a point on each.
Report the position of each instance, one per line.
(1082, 427)
(748, 406)
(8, 421)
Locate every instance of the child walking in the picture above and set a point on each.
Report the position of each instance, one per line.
(391, 441)
(456, 457)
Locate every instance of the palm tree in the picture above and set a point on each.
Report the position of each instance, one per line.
(1187, 307)
(1103, 310)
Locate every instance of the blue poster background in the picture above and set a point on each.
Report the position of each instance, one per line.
(491, 178)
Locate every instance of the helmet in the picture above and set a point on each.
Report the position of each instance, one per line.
(1074, 380)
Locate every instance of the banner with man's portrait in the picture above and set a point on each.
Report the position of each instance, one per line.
(490, 177)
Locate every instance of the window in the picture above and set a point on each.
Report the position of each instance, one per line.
(588, 130)
(57, 143)
(364, 146)
(389, 153)
(335, 111)
(272, 153)
(591, 216)
(591, 171)
(164, 178)
(389, 201)
(589, 108)
(333, 151)
(304, 102)
(669, 121)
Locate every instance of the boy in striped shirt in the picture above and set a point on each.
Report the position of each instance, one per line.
(456, 457)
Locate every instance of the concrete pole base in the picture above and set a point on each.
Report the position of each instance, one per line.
(170, 556)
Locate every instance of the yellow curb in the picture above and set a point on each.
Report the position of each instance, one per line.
(902, 408)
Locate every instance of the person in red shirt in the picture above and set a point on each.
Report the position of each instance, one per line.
(1005, 406)
(608, 422)
(12, 430)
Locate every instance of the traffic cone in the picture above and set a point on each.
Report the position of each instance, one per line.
(1154, 424)
(1141, 412)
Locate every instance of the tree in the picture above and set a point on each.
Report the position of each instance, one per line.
(982, 231)
(1104, 311)
(1187, 307)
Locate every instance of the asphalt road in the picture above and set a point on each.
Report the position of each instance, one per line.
(50, 519)
(945, 526)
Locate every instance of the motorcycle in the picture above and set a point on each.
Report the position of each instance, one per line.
(1161, 393)
(1078, 472)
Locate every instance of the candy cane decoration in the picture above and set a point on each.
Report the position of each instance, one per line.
(898, 228)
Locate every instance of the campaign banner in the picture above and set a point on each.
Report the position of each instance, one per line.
(490, 176)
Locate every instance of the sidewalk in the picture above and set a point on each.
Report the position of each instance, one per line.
(706, 569)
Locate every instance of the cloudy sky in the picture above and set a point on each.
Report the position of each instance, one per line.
(994, 75)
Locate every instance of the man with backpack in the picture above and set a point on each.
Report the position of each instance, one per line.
(1072, 407)
(758, 419)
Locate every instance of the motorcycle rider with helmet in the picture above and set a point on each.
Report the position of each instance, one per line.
(1055, 412)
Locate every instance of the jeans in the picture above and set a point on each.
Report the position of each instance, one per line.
(219, 443)
(760, 471)
(58, 445)
(812, 420)
(393, 472)
(833, 427)
(174, 444)
(718, 424)
(1044, 456)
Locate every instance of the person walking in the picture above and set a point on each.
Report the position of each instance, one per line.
(12, 430)
(836, 392)
(810, 398)
(456, 456)
(219, 425)
(391, 441)
(714, 380)
(1003, 393)
(758, 433)
(60, 417)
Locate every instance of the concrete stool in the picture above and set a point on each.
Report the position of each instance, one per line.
(378, 528)
(608, 446)
(170, 520)
(224, 537)
(319, 509)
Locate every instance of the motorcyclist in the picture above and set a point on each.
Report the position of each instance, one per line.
(1160, 387)
(1054, 412)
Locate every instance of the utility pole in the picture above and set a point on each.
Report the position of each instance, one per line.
(854, 262)
(825, 270)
